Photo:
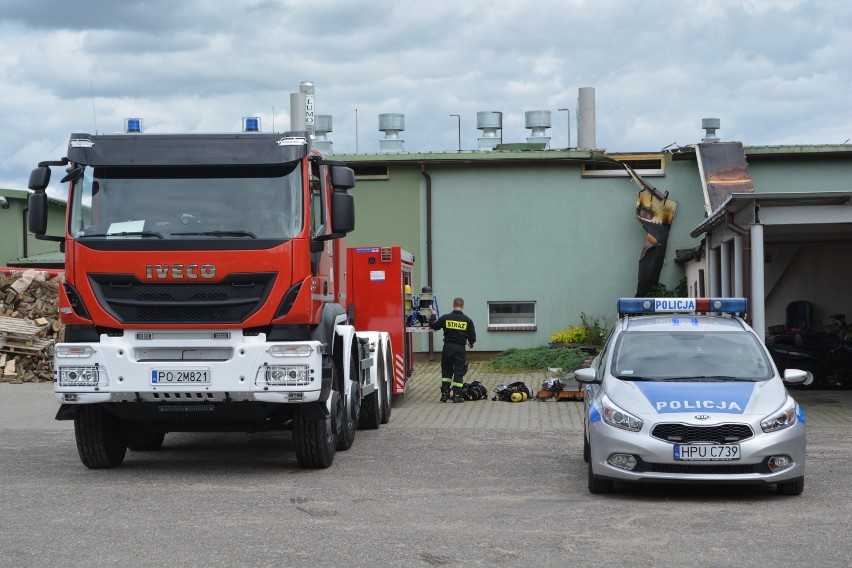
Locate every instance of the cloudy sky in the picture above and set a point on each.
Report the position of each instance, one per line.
(773, 71)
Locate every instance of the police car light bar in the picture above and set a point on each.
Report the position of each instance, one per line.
(681, 305)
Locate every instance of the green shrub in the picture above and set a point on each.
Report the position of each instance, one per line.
(536, 358)
(661, 291)
(574, 334)
(592, 331)
(596, 328)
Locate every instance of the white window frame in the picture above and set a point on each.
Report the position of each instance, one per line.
(513, 326)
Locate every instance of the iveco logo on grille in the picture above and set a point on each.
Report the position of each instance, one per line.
(179, 271)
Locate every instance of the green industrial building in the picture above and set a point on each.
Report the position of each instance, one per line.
(532, 238)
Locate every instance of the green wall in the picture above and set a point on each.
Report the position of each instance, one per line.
(387, 212)
(526, 226)
(521, 229)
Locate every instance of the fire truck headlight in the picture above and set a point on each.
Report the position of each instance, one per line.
(79, 376)
(286, 376)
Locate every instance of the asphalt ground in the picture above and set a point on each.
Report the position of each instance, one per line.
(483, 483)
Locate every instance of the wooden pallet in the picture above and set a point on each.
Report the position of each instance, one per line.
(18, 330)
(561, 395)
(34, 347)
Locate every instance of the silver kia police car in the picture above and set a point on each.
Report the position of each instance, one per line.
(680, 393)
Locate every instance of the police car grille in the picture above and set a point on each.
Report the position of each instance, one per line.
(706, 469)
(686, 434)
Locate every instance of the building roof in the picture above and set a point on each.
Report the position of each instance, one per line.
(778, 152)
(737, 202)
(24, 194)
(54, 259)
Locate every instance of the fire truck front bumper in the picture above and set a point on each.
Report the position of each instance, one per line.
(190, 366)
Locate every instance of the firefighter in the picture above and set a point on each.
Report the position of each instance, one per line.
(458, 331)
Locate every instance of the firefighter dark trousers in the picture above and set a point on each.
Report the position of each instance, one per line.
(453, 368)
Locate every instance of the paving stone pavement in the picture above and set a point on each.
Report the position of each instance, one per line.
(420, 407)
(33, 407)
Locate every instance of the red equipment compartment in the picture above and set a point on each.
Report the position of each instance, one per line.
(375, 292)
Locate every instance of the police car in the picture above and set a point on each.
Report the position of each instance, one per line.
(678, 394)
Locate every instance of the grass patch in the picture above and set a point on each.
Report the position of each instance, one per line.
(536, 358)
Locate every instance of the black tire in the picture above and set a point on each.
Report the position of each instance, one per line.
(351, 409)
(792, 487)
(387, 390)
(314, 440)
(142, 440)
(597, 485)
(101, 438)
(371, 408)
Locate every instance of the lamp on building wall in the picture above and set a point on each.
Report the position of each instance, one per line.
(4, 203)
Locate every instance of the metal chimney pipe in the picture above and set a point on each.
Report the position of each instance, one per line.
(303, 109)
(586, 119)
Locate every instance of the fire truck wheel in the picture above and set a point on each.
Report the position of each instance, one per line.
(142, 440)
(351, 409)
(386, 385)
(314, 439)
(101, 438)
(371, 408)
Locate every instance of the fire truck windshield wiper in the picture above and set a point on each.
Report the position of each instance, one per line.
(125, 234)
(218, 234)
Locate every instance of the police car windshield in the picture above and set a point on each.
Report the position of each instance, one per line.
(690, 355)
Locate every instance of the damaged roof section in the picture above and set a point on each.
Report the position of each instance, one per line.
(724, 171)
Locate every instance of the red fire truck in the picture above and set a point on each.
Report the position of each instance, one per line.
(205, 290)
(381, 279)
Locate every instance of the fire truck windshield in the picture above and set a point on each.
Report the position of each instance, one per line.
(252, 202)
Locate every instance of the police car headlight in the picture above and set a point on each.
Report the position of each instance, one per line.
(782, 418)
(615, 416)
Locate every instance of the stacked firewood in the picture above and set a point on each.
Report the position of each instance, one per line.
(29, 325)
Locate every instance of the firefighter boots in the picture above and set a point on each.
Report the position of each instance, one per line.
(445, 392)
(457, 394)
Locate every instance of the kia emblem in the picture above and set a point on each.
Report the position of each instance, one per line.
(702, 417)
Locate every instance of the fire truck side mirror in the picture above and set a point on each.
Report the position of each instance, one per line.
(343, 213)
(342, 178)
(39, 178)
(37, 212)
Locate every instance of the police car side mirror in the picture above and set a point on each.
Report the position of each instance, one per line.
(586, 376)
(797, 377)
